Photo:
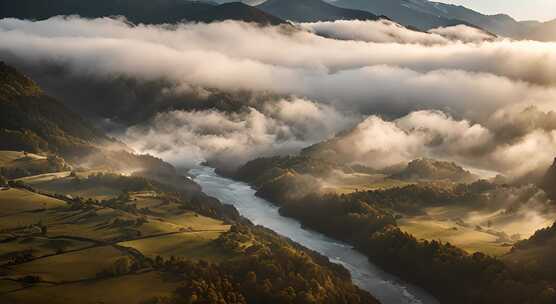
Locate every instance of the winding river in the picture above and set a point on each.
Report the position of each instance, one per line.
(385, 287)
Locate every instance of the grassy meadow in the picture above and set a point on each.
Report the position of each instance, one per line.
(55, 250)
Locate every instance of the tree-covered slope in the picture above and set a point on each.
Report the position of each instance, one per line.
(32, 121)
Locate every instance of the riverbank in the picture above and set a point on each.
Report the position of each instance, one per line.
(387, 288)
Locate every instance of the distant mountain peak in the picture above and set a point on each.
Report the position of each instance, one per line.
(312, 11)
(238, 11)
(138, 11)
(425, 15)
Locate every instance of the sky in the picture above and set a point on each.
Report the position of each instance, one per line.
(542, 10)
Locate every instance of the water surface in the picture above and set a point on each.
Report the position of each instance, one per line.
(385, 287)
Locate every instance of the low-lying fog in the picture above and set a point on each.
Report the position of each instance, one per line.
(229, 92)
(455, 93)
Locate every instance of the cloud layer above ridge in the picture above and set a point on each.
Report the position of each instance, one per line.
(333, 74)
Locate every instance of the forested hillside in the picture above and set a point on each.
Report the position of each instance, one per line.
(370, 220)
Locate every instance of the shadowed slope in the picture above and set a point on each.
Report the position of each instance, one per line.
(312, 11)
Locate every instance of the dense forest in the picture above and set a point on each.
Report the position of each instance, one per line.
(367, 219)
(273, 270)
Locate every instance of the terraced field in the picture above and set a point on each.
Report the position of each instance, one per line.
(62, 183)
(190, 245)
(57, 250)
(13, 201)
(129, 287)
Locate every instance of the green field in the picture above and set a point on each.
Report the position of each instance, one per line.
(21, 221)
(189, 245)
(43, 178)
(345, 183)
(17, 200)
(63, 184)
(448, 231)
(39, 246)
(382, 185)
(7, 286)
(75, 254)
(155, 203)
(100, 224)
(491, 232)
(68, 267)
(132, 289)
(195, 221)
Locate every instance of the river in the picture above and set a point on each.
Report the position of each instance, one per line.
(387, 288)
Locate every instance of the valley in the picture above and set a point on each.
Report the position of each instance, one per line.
(438, 216)
(45, 238)
(387, 288)
(277, 151)
(105, 220)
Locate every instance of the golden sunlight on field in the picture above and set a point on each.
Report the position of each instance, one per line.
(472, 231)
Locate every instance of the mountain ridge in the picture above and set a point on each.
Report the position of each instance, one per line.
(401, 12)
(425, 15)
(545, 31)
(137, 11)
(238, 11)
(312, 11)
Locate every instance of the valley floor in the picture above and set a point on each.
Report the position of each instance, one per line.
(92, 236)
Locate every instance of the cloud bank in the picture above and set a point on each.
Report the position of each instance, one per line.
(453, 93)
(386, 31)
(230, 139)
(234, 56)
(519, 143)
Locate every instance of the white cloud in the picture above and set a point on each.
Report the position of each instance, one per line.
(374, 67)
(463, 33)
(386, 31)
(528, 150)
(381, 31)
(230, 139)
